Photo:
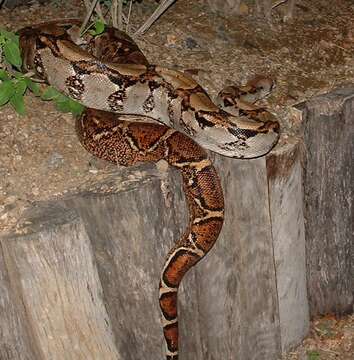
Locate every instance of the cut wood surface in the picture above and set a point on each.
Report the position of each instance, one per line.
(57, 294)
(79, 273)
(82, 272)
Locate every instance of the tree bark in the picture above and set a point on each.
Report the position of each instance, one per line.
(82, 276)
(329, 197)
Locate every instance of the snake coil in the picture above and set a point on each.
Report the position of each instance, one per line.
(111, 76)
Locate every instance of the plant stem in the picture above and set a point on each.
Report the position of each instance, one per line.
(88, 15)
(165, 4)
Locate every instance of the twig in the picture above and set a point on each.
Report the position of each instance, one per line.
(114, 13)
(87, 4)
(120, 14)
(156, 14)
(290, 10)
(88, 15)
(279, 3)
(98, 9)
(128, 18)
(99, 13)
(29, 74)
(117, 14)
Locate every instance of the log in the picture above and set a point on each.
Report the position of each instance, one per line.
(241, 271)
(81, 272)
(285, 176)
(55, 290)
(329, 197)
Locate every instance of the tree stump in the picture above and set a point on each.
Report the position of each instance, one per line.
(329, 197)
(80, 274)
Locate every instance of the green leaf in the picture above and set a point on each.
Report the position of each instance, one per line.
(62, 102)
(8, 35)
(18, 75)
(34, 87)
(313, 355)
(99, 27)
(50, 94)
(90, 26)
(7, 90)
(21, 87)
(76, 108)
(18, 104)
(12, 54)
(62, 105)
(66, 104)
(3, 75)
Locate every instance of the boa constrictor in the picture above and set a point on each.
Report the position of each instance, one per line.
(110, 75)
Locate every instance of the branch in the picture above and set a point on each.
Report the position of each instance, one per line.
(117, 14)
(88, 15)
(128, 18)
(120, 13)
(165, 4)
(114, 13)
(279, 3)
(98, 9)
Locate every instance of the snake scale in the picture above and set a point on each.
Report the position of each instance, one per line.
(111, 76)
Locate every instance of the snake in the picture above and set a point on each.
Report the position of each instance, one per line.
(110, 76)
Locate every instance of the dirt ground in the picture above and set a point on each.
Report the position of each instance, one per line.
(329, 339)
(40, 157)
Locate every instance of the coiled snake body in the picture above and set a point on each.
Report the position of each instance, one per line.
(109, 73)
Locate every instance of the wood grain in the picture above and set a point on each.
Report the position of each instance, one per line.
(329, 198)
(285, 177)
(237, 296)
(58, 293)
(85, 273)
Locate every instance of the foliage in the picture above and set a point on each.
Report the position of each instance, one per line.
(98, 29)
(62, 102)
(313, 355)
(14, 84)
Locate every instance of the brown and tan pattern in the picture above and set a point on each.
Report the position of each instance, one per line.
(127, 143)
(166, 95)
(109, 74)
